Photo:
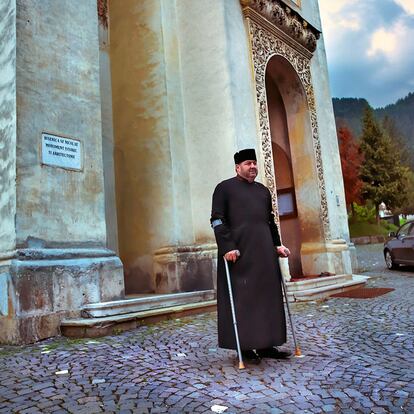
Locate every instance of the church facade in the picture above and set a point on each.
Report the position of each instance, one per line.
(119, 118)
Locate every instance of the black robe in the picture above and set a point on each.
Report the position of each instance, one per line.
(248, 226)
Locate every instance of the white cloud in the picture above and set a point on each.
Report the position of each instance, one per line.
(338, 18)
(369, 48)
(407, 5)
(383, 41)
(338, 14)
(392, 43)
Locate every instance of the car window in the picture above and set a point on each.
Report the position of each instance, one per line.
(404, 230)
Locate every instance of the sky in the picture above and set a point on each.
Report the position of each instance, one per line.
(370, 48)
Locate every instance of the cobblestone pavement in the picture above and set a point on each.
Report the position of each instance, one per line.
(358, 359)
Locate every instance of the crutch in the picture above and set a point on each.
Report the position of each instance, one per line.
(298, 353)
(233, 312)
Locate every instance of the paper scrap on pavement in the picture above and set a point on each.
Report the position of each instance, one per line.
(218, 408)
(98, 381)
(46, 352)
(64, 371)
(181, 354)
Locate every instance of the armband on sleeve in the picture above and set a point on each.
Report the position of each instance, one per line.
(216, 223)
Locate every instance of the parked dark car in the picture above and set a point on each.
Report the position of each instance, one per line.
(399, 249)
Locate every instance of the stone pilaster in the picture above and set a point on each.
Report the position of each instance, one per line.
(53, 258)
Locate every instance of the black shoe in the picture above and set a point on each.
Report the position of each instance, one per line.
(251, 356)
(273, 353)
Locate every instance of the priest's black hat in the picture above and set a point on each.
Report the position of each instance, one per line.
(243, 155)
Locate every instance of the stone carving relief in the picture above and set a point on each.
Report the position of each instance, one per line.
(287, 20)
(264, 45)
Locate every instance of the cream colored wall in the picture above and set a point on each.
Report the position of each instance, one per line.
(217, 95)
(142, 151)
(183, 104)
(7, 128)
(107, 139)
(180, 177)
(58, 92)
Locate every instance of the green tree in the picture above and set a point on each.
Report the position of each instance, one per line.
(408, 207)
(384, 177)
(396, 136)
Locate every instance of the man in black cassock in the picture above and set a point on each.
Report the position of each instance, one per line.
(246, 235)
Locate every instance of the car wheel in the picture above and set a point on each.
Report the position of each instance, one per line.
(389, 261)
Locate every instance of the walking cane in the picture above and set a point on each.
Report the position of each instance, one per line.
(298, 353)
(233, 312)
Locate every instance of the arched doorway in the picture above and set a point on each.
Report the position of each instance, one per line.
(285, 183)
(293, 159)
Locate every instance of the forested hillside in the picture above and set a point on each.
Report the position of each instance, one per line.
(402, 112)
(349, 111)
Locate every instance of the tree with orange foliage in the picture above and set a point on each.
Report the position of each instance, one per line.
(351, 159)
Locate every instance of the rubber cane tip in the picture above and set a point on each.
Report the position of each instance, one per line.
(241, 365)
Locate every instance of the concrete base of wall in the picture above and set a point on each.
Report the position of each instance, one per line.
(353, 255)
(45, 285)
(333, 257)
(185, 268)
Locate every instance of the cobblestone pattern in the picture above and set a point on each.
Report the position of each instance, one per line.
(358, 359)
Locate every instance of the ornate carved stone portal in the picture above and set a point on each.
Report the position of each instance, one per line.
(275, 29)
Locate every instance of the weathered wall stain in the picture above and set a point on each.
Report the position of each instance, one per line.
(7, 125)
(58, 91)
(142, 149)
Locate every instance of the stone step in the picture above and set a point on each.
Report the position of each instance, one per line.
(109, 325)
(144, 303)
(113, 316)
(321, 292)
(317, 282)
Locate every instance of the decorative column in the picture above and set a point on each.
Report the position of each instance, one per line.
(53, 255)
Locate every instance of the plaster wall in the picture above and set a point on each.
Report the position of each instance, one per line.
(218, 98)
(144, 182)
(7, 127)
(107, 140)
(183, 103)
(180, 177)
(58, 92)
